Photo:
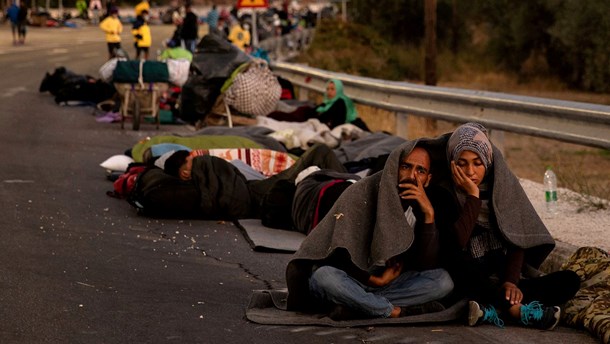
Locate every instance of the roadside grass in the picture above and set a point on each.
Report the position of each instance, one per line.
(356, 50)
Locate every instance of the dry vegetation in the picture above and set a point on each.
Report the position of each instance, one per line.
(360, 51)
(579, 168)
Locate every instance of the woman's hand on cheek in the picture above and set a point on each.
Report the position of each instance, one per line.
(463, 182)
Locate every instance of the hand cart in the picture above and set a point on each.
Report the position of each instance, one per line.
(140, 93)
(140, 100)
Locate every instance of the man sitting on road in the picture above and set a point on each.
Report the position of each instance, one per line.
(375, 255)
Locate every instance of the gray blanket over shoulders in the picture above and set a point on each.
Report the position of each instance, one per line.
(367, 226)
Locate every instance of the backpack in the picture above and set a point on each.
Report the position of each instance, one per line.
(125, 183)
(255, 90)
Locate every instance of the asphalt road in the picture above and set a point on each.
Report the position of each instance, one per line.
(80, 267)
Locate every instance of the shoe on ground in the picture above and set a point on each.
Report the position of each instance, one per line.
(342, 313)
(478, 314)
(428, 307)
(534, 314)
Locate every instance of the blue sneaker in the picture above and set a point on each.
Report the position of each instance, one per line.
(536, 315)
(478, 314)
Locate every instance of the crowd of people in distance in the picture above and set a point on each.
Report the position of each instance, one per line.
(226, 23)
(18, 17)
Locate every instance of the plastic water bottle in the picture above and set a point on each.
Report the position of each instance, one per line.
(550, 190)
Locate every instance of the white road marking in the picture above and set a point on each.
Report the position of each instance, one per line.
(59, 59)
(7, 94)
(24, 65)
(58, 51)
(17, 181)
(91, 54)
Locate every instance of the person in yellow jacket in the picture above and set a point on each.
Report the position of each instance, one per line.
(240, 36)
(141, 7)
(112, 27)
(141, 34)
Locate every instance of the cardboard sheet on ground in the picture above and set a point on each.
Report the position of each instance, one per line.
(263, 238)
(268, 307)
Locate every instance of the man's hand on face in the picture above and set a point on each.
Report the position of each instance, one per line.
(414, 190)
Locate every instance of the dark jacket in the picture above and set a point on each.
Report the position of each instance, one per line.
(335, 115)
(364, 229)
(190, 26)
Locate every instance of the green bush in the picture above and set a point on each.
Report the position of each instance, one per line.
(536, 38)
(580, 36)
(336, 44)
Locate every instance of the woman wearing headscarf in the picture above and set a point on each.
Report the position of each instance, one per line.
(335, 109)
(493, 235)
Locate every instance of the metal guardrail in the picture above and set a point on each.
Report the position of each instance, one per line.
(575, 122)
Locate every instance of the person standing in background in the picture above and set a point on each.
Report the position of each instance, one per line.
(240, 36)
(190, 29)
(141, 34)
(22, 22)
(13, 13)
(112, 27)
(212, 19)
(141, 7)
(81, 7)
(95, 6)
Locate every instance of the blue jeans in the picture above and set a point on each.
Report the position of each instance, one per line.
(409, 289)
(190, 44)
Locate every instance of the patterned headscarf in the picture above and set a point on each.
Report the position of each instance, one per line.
(470, 137)
(349, 104)
(473, 137)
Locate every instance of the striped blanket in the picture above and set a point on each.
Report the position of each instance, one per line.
(266, 161)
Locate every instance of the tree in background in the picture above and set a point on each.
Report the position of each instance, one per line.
(400, 21)
(567, 38)
(517, 30)
(580, 43)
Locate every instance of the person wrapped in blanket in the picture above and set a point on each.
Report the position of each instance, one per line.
(335, 109)
(377, 256)
(226, 193)
(493, 234)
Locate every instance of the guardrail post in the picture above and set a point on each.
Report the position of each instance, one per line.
(303, 94)
(402, 125)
